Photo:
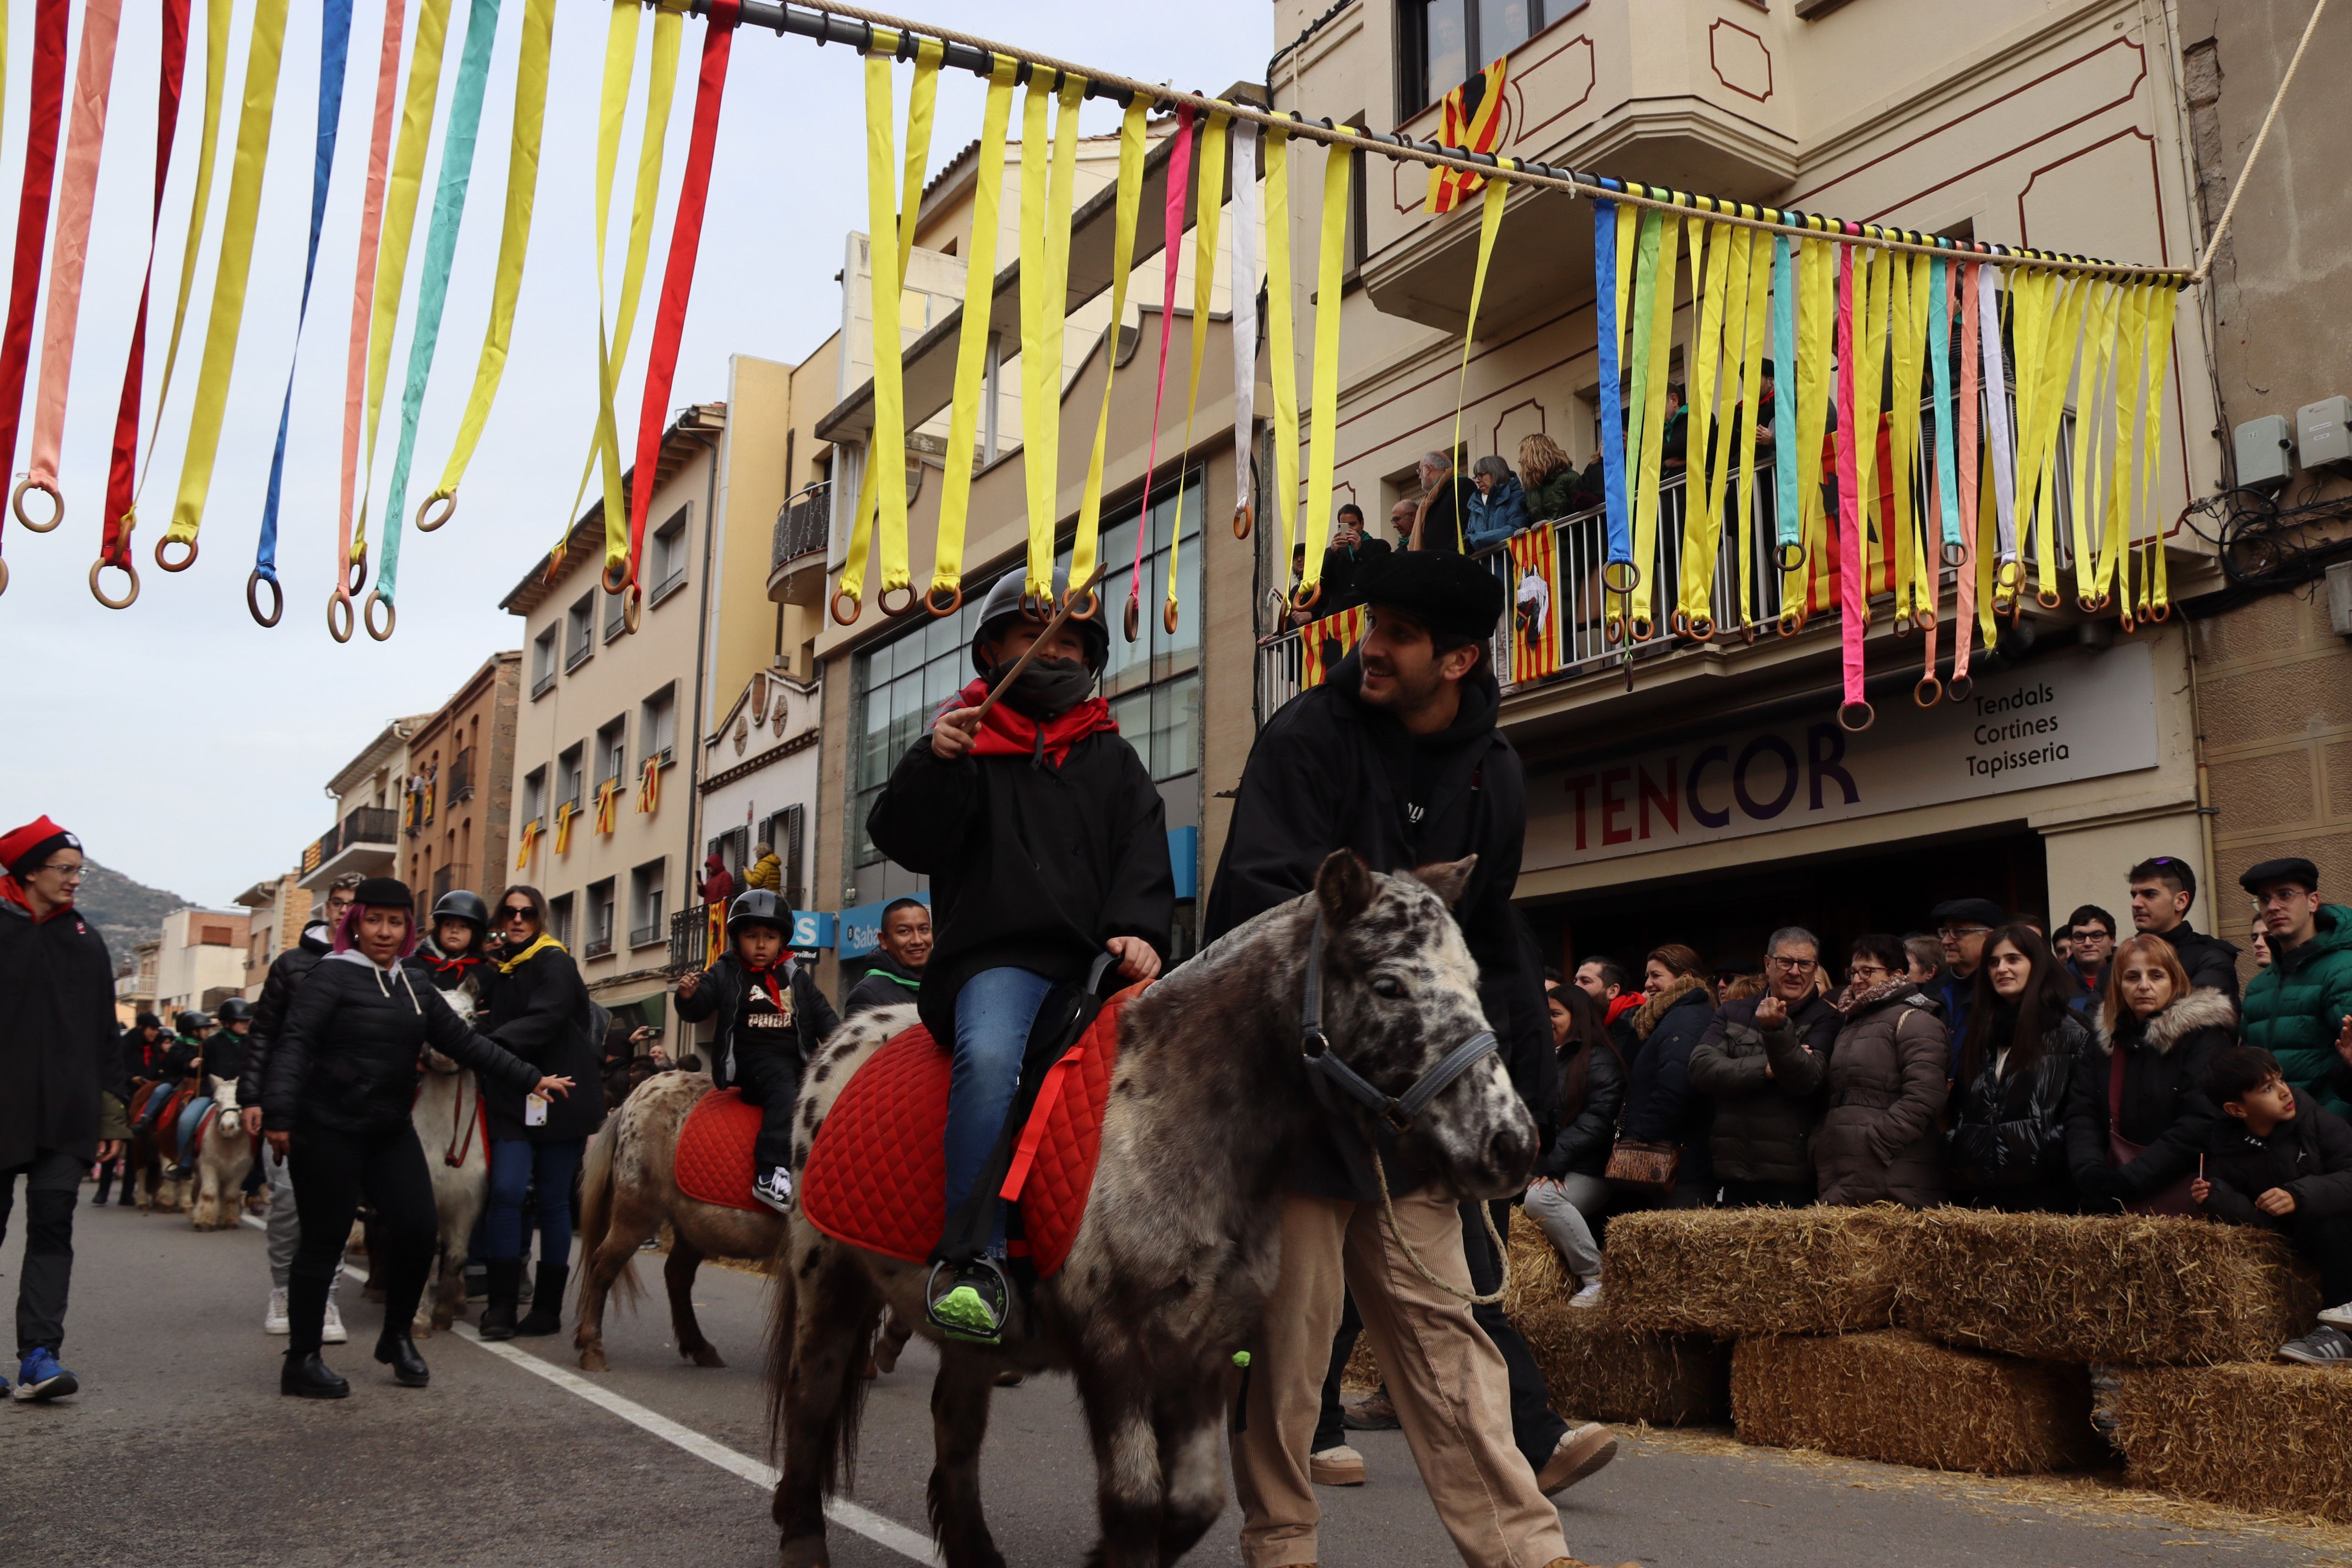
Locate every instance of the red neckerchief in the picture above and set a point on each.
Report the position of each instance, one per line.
(13, 892)
(765, 981)
(1006, 733)
(458, 963)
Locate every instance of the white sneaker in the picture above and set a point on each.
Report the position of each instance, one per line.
(2338, 1317)
(775, 1191)
(273, 1321)
(1589, 1296)
(335, 1333)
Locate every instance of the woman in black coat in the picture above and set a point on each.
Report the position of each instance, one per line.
(538, 1009)
(1568, 1190)
(2007, 1145)
(2138, 1150)
(335, 1103)
(1659, 1106)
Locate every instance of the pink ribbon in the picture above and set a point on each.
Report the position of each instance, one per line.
(387, 81)
(1852, 592)
(1179, 179)
(32, 219)
(1965, 632)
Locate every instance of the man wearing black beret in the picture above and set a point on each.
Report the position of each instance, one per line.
(1961, 925)
(1397, 758)
(2300, 1009)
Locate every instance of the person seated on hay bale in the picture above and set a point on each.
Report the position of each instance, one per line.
(1568, 1189)
(2299, 1008)
(2279, 1159)
(1880, 1139)
(1760, 1062)
(1660, 1107)
(2007, 1145)
(2138, 1117)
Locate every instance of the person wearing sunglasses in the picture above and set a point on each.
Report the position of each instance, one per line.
(58, 1052)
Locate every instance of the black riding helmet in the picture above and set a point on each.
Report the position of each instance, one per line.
(236, 1010)
(192, 1023)
(758, 908)
(459, 904)
(1003, 604)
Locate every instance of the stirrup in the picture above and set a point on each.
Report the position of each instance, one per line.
(963, 1313)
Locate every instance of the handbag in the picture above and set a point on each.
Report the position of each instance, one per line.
(1638, 1164)
(2122, 1152)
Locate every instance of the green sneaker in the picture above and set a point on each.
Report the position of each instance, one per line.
(972, 1308)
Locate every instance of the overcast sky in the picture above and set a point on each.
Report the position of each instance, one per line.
(189, 747)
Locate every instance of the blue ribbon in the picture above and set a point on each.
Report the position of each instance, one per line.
(1784, 363)
(334, 49)
(1613, 431)
(1939, 344)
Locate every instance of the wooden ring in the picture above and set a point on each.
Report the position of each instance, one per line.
(1169, 615)
(56, 501)
(2158, 613)
(356, 572)
(1038, 607)
(1309, 595)
(2048, 600)
(1928, 693)
(633, 610)
(426, 519)
(391, 615)
(1702, 628)
(1245, 519)
(613, 585)
(882, 602)
(253, 583)
(1679, 624)
(1959, 688)
(1902, 626)
(129, 569)
(834, 609)
(1788, 557)
(339, 601)
(2089, 603)
(1854, 717)
(3, 575)
(1641, 629)
(1134, 616)
(955, 601)
(1632, 576)
(1614, 628)
(1925, 617)
(1093, 603)
(1954, 554)
(185, 562)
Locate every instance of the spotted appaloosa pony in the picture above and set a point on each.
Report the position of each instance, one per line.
(1178, 1249)
(628, 1186)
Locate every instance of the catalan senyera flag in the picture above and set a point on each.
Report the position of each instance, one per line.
(1322, 644)
(1535, 600)
(531, 832)
(649, 785)
(563, 815)
(1470, 117)
(714, 941)
(608, 795)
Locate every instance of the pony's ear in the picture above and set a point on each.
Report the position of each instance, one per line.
(1447, 878)
(1343, 886)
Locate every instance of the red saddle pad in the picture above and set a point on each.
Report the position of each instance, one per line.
(876, 1177)
(714, 1151)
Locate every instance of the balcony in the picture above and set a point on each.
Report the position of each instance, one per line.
(796, 552)
(648, 935)
(598, 946)
(365, 841)
(461, 777)
(689, 938)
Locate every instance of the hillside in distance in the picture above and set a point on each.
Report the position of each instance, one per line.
(126, 913)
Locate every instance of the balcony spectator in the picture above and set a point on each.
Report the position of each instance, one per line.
(2138, 1117)
(767, 871)
(1961, 927)
(1444, 504)
(2095, 946)
(1568, 1190)
(1674, 446)
(2280, 1159)
(1499, 507)
(1761, 1063)
(1351, 556)
(1878, 1141)
(2007, 1145)
(2300, 1009)
(718, 884)
(1547, 478)
(2162, 890)
(1659, 1105)
(1925, 965)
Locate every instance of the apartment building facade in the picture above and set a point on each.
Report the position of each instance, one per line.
(367, 792)
(276, 908)
(457, 804)
(200, 959)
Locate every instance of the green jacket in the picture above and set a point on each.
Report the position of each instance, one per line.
(1550, 501)
(2294, 1009)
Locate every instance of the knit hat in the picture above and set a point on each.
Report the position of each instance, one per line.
(1448, 593)
(23, 849)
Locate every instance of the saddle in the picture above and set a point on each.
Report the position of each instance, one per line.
(714, 1151)
(877, 1176)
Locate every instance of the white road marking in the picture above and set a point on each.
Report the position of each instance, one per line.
(884, 1533)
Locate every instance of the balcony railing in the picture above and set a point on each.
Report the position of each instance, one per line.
(461, 776)
(598, 946)
(689, 937)
(646, 935)
(804, 525)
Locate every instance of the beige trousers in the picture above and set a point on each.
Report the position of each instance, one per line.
(1451, 1393)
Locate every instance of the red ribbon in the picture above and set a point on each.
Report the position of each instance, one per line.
(116, 550)
(1049, 1094)
(677, 272)
(1179, 177)
(32, 213)
(1852, 592)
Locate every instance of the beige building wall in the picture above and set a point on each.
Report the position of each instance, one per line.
(202, 953)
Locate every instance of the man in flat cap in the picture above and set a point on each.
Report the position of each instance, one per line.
(1397, 758)
(2300, 1009)
(1961, 925)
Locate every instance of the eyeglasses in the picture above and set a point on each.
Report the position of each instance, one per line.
(72, 873)
(1948, 933)
(1794, 966)
(1868, 971)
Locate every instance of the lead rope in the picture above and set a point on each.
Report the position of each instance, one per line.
(1502, 1252)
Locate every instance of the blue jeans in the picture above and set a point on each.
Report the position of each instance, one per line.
(993, 1014)
(191, 1118)
(545, 1170)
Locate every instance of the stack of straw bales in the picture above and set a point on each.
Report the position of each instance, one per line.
(2268, 1439)
(1598, 1364)
(1729, 1273)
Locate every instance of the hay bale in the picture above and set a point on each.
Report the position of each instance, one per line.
(1595, 1366)
(1901, 1399)
(1736, 1272)
(1362, 1373)
(2267, 1439)
(2139, 1290)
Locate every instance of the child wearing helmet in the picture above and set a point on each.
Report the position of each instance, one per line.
(454, 954)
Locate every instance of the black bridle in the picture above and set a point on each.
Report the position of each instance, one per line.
(1315, 1045)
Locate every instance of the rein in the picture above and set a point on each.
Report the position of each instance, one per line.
(1397, 1110)
(454, 1156)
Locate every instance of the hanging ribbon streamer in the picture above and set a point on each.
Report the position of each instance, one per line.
(514, 243)
(2114, 553)
(1323, 447)
(2060, 307)
(1281, 346)
(2101, 316)
(1490, 223)
(1209, 199)
(1242, 288)
(1654, 319)
(457, 139)
(1179, 174)
(351, 553)
(1788, 511)
(1871, 287)
(1853, 712)
(1970, 462)
(1913, 566)
(1128, 206)
(261, 61)
(2156, 605)
(946, 594)
(334, 52)
(1948, 551)
(2007, 576)
(1618, 571)
(32, 221)
(612, 109)
(115, 549)
(1755, 308)
(678, 275)
(93, 82)
(1816, 313)
(1702, 500)
(1046, 189)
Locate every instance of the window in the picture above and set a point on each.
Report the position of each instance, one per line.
(786, 833)
(559, 919)
(612, 751)
(578, 630)
(600, 919)
(616, 622)
(543, 661)
(569, 776)
(647, 885)
(669, 555)
(1442, 41)
(534, 794)
(215, 936)
(657, 723)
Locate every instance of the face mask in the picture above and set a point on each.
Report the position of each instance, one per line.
(1048, 686)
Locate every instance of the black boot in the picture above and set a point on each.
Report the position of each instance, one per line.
(546, 1314)
(398, 1351)
(305, 1377)
(499, 1315)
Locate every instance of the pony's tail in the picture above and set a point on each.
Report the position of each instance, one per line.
(597, 1216)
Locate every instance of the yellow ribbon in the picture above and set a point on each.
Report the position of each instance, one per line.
(539, 944)
(1702, 522)
(263, 54)
(1915, 566)
(514, 242)
(1490, 221)
(216, 18)
(1281, 347)
(2114, 553)
(2057, 362)
(1128, 204)
(1756, 305)
(1653, 422)
(1209, 201)
(563, 815)
(2090, 429)
(2161, 311)
(1323, 441)
(972, 346)
(1045, 198)
(531, 832)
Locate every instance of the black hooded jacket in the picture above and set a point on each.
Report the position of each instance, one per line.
(889, 984)
(720, 995)
(2008, 1137)
(2310, 1156)
(2211, 961)
(2164, 1108)
(286, 975)
(1330, 772)
(224, 1053)
(58, 1044)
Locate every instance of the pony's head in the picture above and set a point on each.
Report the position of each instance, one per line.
(1399, 995)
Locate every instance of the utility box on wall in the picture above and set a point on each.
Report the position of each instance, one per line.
(2263, 452)
(2323, 432)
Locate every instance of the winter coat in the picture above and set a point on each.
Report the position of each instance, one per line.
(1554, 497)
(1449, 507)
(224, 1053)
(59, 1049)
(1589, 1125)
(1328, 773)
(286, 972)
(1344, 568)
(2296, 1008)
(1957, 996)
(1496, 515)
(1033, 866)
(720, 995)
(1764, 1120)
(889, 984)
(2211, 961)
(346, 1059)
(1878, 1141)
(2008, 1139)
(139, 1053)
(767, 871)
(1659, 1105)
(540, 1011)
(2310, 1156)
(2164, 1108)
(470, 972)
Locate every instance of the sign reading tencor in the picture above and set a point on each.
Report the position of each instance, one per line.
(2083, 716)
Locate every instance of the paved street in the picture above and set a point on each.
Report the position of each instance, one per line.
(180, 1452)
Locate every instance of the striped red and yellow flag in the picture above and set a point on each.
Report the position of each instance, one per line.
(650, 784)
(1470, 119)
(1322, 644)
(1535, 600)
(607, 794)
(531, 832)
(714, 939)
(563, 815)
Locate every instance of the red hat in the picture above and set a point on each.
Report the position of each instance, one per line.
(23, 849)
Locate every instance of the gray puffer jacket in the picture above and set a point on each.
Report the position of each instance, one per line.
(1878, 1141)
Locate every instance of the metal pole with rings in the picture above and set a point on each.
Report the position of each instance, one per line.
(56, 503)
(253, 583)
(129, 568)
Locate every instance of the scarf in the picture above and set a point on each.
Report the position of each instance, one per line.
(13, 892)
(765, 981)
(1005, 732)
(539, 945)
